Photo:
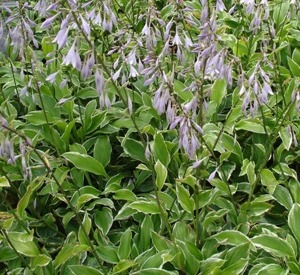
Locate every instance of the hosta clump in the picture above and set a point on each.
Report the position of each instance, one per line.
(150, 137)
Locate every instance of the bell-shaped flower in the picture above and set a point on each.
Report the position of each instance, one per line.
(73, 57)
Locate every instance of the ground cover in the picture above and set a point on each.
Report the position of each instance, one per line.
(150, 137)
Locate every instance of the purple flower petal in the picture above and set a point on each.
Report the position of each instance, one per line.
(61, 38)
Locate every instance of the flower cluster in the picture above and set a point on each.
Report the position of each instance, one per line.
(20, 28)
(256, 94)
(159, 48)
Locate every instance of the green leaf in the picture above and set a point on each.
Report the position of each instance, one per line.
(294, 188)
(179, 89)
(86, 163)
(104, 219)
(280, 12)
(123, 265)
(160, 243)
(257, 208)
(293, 265)
(293, 221)
(145, 234)
(153, 271)
(47, 45)
(4, 182)
(124, 248)
(125, 212)
(283, 196)
(7, 254)
(236, 259)
(294, 67)
(183, 232)
(286, 170)
(38, 118)
(161, 174)
(85, 198)
(134, 149)
(23, 243)
(108, 254)
(146, 207)
(184, 199)
(274, 245)
(102, 150)
(84, 194)
(154, 261)
(24, 201)
(251, 173)
(191, 257)
(88, 112)
(160, 151)
(268, 179)
(167, 11)
(272, 269)
(86, 93)
(212, 266)
(233, 237)
(290, 90)
(80, 269)
(296, 56)
(251, 125)
(235, 268)
(286, 137)
(124, 194)
(40, 260)
(218, 91)
(232, 145)
(67, 133)
(68, 251)
(86, 225)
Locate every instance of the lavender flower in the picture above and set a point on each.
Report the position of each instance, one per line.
(161, 98)
(4, 122)
(87, 66)
(146, 29)
(212, 175)
(147, 150)
(129, 103)
(48, 22)
(249, 5)
(25, 168)
(85, 26)
(255, 23)
(1, 28)
(187, 138)
(73, 57)
(41, 7)
(220, 6)
(9, 152)
(100, 88)
(52, 77)
(176, 39)
(61, 38)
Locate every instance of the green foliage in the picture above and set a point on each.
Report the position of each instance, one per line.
(107, 186)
